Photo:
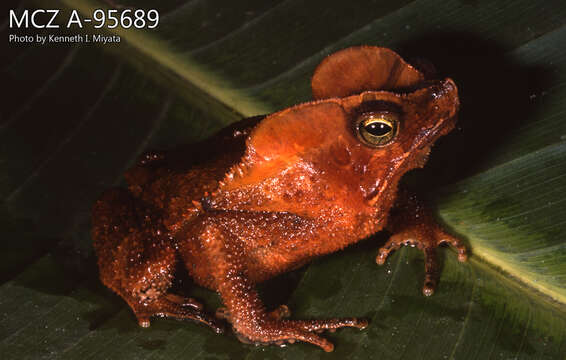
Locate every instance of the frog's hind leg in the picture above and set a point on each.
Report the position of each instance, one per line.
(136, 259)
(228, 270)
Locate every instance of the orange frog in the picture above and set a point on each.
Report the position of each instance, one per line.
(269, 194)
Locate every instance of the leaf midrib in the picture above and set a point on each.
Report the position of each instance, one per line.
(188, 70)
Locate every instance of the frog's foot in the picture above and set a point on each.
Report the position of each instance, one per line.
(427, 237)
(272, 331)
(183, 301)
(281, 312)
(275, 330)
(178, 307)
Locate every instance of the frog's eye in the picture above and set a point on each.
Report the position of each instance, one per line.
(377, 128)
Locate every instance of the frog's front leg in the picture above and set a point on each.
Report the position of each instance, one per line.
(221, 242)
(412, 223)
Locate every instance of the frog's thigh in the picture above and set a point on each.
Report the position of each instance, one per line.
(112, 217)
(135, 258)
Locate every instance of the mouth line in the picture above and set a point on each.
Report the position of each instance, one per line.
(431, 136)
(428, 140)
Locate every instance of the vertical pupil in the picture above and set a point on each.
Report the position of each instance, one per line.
(378, 128)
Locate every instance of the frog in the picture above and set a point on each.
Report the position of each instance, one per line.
(271, 193)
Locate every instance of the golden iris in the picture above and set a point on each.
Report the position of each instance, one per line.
(377, 129)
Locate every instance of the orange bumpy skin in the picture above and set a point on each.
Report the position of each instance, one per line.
(269, 194)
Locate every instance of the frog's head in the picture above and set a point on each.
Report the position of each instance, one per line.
(395, 132)
(374, 118)
(394, 110)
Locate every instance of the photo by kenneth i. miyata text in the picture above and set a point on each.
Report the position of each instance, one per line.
(63, 39)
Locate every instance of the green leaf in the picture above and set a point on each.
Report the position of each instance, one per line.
(76, 116)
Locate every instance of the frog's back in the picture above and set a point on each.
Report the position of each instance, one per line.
(176, 181)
